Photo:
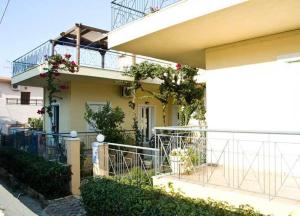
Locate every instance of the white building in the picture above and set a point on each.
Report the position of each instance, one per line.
(18, 103)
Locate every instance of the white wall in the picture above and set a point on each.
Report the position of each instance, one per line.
(11, 114)
(254, 97)
(260, 97)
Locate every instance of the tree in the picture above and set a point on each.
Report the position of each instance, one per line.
(108, 121)
(54, 65)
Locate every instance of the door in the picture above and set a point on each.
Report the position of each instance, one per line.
(146, 121)
(55, 119)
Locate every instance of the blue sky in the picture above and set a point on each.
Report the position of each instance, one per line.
(28, 23)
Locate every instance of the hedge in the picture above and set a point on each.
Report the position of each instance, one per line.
(105, 196)
(49, 178)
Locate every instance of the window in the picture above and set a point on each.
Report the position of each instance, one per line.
(95, 106)
(25, 98)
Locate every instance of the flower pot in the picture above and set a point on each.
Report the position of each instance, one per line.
(177, 165)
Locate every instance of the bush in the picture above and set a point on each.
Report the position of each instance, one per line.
(49, 178)
(108, 121)
(35, 123)
(105, 196)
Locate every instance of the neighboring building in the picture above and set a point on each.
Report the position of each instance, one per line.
(99, 80)
(249, 53)
(17, 104)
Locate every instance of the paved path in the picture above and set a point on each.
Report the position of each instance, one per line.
(11, 206)
(70, 206)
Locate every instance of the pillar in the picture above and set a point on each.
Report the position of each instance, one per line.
(100, 157)
(73, 159)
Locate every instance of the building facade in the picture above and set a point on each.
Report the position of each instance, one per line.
(18, 103)
(99, 80)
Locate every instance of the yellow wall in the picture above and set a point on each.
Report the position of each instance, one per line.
(83, 90)
(64, 118)
(253, 51)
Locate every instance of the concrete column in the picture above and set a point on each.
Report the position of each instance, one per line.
(103, 160)
(73, 159)
(100, 157)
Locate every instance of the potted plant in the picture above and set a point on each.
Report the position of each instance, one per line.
(182, 161)
(178, 160)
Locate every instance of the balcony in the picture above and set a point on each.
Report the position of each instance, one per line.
(88, 47)
(126, 11)
(184, 31)
(90, 57)
(18, 101)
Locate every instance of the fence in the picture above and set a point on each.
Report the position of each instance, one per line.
(260, 162)
(17, 101)
(49, 146)
(134, 162)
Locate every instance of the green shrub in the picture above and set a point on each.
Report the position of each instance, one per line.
(36, 123)
(108, 121)
(138, 176)
(105, 196)
(46, 177)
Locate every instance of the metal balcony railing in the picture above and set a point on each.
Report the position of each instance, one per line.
(17, 101)
(89, 56)
(126, 11)
(265, 162)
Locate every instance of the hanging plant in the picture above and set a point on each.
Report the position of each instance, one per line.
(54, 65)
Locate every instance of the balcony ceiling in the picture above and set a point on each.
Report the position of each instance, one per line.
(185, 41)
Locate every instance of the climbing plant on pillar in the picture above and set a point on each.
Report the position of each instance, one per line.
(54, 65)
(178, 85)
(189, 95)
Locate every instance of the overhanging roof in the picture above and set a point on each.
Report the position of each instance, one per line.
(89, 36)
(183, 31)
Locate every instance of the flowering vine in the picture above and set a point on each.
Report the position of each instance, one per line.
(178, 86)
(54, 65)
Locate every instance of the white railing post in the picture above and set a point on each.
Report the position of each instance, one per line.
(100, 157)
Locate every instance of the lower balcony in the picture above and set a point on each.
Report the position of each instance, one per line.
(87, 46)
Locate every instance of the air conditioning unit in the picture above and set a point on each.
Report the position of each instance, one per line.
(126, 91)
(15, 87)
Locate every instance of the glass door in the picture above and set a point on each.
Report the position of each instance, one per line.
(146, 120)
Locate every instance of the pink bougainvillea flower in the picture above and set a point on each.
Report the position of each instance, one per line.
(41, 111)
(73, 63)
(43, 75)
(178, 66)
(67, 56)
(63, 87)
(55, 66)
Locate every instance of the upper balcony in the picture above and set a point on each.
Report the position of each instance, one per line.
(126, 11)
(185, 30)
(87, 46)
